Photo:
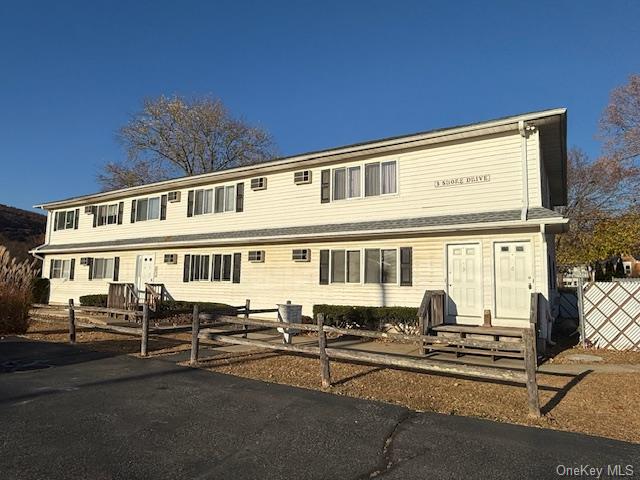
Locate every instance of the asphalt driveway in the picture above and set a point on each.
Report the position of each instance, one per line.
(70, 413)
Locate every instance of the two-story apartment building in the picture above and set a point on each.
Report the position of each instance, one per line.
(467, 210)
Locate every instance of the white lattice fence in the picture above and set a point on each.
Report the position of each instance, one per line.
(611, 315)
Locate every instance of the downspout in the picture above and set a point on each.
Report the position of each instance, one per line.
(524, 130)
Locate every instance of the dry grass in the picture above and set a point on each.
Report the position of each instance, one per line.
(596, 404)
(15, 292)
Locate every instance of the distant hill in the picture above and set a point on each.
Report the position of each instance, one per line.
(21, 230)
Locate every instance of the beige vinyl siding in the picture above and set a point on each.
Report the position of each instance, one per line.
(285, 204)
(279, 278)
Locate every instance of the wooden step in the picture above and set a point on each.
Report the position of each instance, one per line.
(475, 351)
(480, 330)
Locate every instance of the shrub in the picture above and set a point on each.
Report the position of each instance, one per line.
(15, 293)
(40, 290)
(372, 318)
(176, 307)
(98, 300)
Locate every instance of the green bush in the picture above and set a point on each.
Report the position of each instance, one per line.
(176, 307)
(98, 300)
(40, 290)
(373, 318)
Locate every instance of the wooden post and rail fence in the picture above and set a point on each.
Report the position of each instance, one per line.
(523, 347)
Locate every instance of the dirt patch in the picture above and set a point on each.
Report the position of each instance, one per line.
(596, 404)
(608, 356)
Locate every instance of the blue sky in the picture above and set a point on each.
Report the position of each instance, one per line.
(315, 74)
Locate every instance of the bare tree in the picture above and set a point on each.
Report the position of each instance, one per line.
(176, 136)
(620, 123)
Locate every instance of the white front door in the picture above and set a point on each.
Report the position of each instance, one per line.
(513, 280)
(464, 280)
(145, 267)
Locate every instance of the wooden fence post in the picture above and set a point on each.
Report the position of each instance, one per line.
(580, 295)
(325, 373)
(195, 339)
(247, 307)
(145, 330)
(72, 323)
(531, 365)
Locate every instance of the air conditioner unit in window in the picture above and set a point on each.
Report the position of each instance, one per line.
(173, 196)
(88, 209)
(259, 183)
(171, 258)
(85, 261)
(302, 177)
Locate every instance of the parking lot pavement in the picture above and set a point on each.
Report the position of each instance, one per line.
(69, 413)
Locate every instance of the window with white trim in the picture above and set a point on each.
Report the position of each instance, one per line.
(60, 269)
(102, 268)
(380, 178)
(199, 268)
(147, 209)
(106, 214)
(302, 177)
(214, 200)
(222, 265)
(380, 265)
(65, 220)
(346, 182)
(345, 266)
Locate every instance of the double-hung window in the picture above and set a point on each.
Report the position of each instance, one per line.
(60, 269)
(346, 183)
(218, 200)
(199, 268)
(107, 214)
(381, 265)
(345, 266)
(148, 209)
(102, 268)
(221, 268)
(66, 220)
(380, 178)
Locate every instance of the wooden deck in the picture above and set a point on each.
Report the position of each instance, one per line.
(480, 330)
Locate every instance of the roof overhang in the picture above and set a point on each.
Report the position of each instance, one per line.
(350, 152)
(555, 223)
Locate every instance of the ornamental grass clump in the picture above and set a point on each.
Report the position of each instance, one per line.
(15, 292)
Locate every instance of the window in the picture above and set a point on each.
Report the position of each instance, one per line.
(381, 265)
(218, 200)
(66, 220)
(345, 266)
(301, 255)
(301, 177)
(224, 265)
(170, 258)
(256, 256)
(380, 178)
(102, 268)
(110, 214)
(346, 183)
(60, 269)
(196, 268)
(337, 266)
(148, 209)
(259, 183)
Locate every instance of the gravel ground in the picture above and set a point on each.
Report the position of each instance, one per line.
(608, 356)
(596, 404)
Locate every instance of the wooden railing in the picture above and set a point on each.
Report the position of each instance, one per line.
(123, 296)
(154, 295)
(431, 312)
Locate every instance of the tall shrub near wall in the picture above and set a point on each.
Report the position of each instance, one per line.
(16, 281)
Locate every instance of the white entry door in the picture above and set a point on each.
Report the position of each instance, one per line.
(464, 280)
(513, 279)
(145, 268)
